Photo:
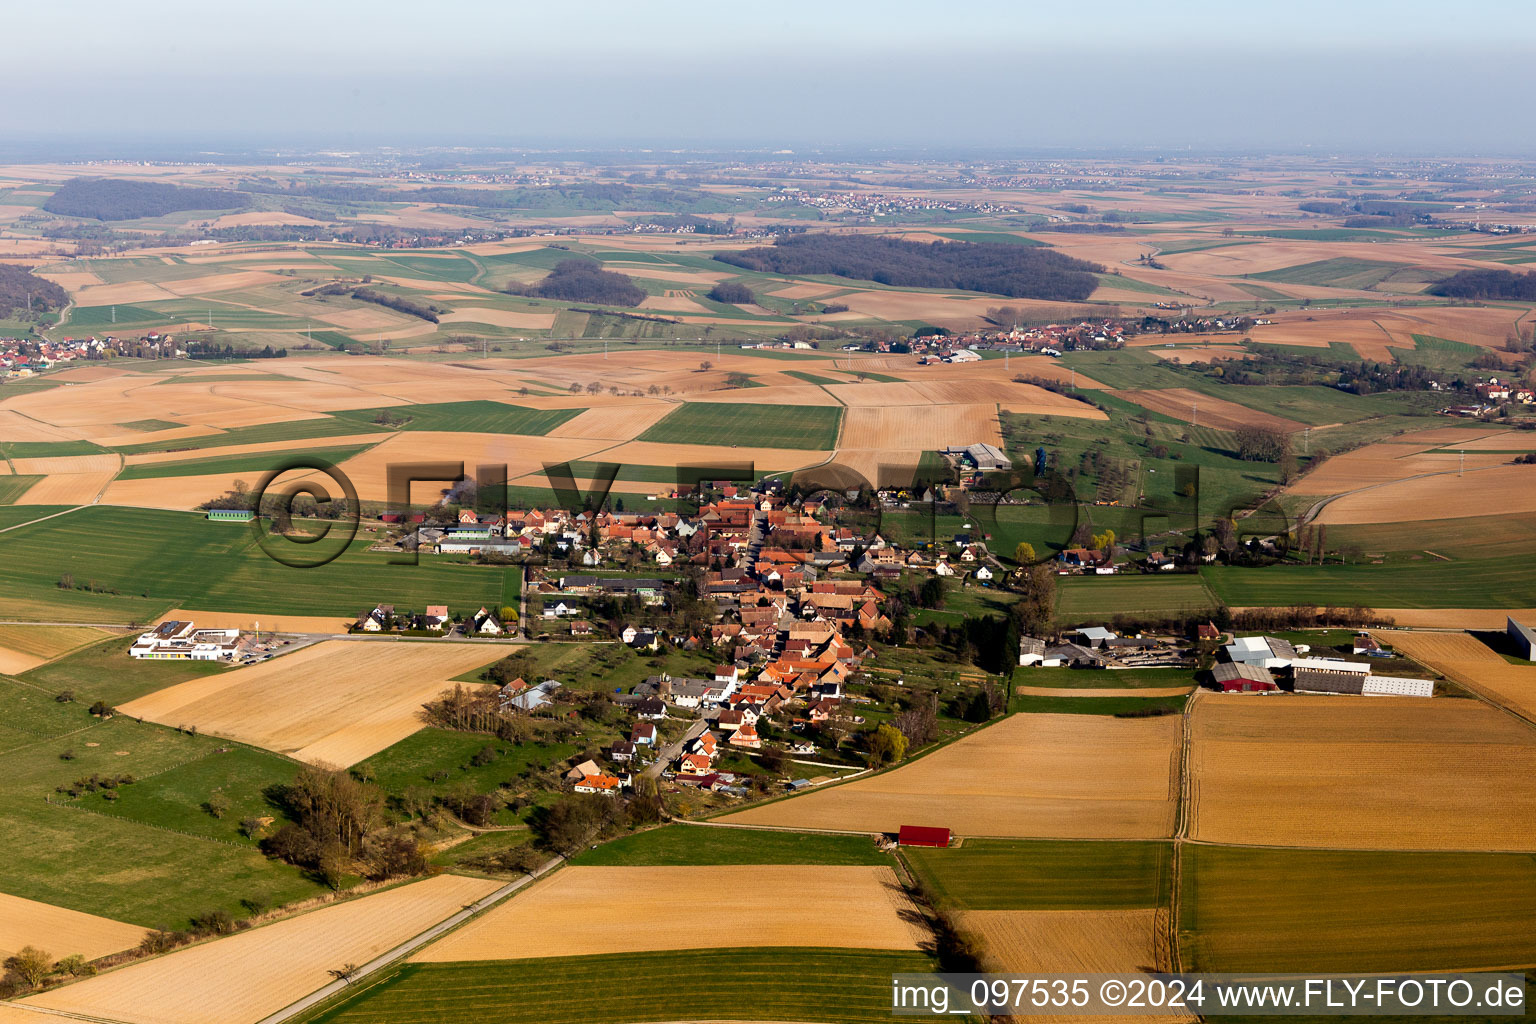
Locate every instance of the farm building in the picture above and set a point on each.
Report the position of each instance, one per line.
(1397, 686)
(1235, 677)
(922, 835)
(1327, 680)
(982, 456)
(1031, 651)
(229, 515)
(1263, 651)
(1524, 638)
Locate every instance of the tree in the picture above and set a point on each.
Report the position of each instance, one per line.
(1024, 553)
(218, 803)
(31, 965)
(1261, 444)
(887, 745)
(1105, 541)
(978, 708)
(706, 366)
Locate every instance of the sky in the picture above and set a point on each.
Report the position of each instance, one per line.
(1408, 76)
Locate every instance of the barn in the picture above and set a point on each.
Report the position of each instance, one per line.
(922, 835)
(1236, 677)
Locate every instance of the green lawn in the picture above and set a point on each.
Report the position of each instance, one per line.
(157, 560)
(1355, 911)
(693, 844)
(749, 426)
(1081, 598)
(1047, 874)
(838, 986)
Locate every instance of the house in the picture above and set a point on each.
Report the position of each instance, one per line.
(1160, 562)
(730, 721)
(581, 627)
(686, 693)
(695, 764)
(583, 769)
(1237, 677)
(651, 708)
(514, 688)
(1031, 651)
(534, 696)
(644, 640)
(643, 734)
(1207, 632)
(561, 610)
(726, 674)
(923, 835)
(607, 785)
(436, 617)
(621, 750)
(747, 737)
(376, 621)
(983, 572)
(485, 623)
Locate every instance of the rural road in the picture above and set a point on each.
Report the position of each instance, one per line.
(669, 753)
(409, 946)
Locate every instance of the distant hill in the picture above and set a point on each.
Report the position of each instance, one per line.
(1017, 271)
(17, 283)
(1487, 284)
(578, 280)
(115, 199)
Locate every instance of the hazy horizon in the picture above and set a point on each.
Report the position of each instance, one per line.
(1372, 76)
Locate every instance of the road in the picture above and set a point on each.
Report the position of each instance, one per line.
(408, 947)
(669, 753)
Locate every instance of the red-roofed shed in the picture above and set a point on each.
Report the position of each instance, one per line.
(922, 835)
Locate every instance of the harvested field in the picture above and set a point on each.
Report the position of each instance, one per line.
(1193, 407)
(15, 427)
(919, 426)
(1361, 773)
(61, 931)
(67, 465)
(1045, 775)
(1446, 495)
(1202, 354)
(593, 910)
(614, 422)
(500, 318)
(66, 489)
(334, 703)
(26, 647)
(187, 492)
(1031, 942)
(522, 454)
(244, 977)
(303, 443)
(266, 623)
(1473, 665)
(1452, 618)
(653, 453)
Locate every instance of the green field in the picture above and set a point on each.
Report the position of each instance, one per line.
(176, 799)
(157, 560)
(1129, 679)
(13, 487)
(838, 986)
(288, 430)
(1470, 583)
(1128, 705)
(141, 871)
(437, 761)
(1355, 911)
(690, 844)
(749, 426)
(255, 463)
(483, 417)
(1081, 598)
(1002, 874)
(1341, 272)
(1438, 353)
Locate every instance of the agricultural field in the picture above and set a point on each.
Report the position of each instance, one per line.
(837, 986)
(1366, 773)
(591, 910)
(748, 426)
(1073, 777)
(1356, 911)
(1045, 875)
(1472, 664)
(680, 844)
(1081, 598)
(244, 977)
(333, 703)
(160, 559)
(26, 647)
(27, 921)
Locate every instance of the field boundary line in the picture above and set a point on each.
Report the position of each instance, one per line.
(42, 519)
(145, 824)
